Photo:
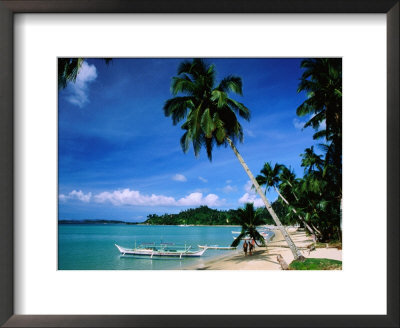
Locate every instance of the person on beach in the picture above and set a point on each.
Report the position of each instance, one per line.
(245, 247)
(250, 248)
(253, 243)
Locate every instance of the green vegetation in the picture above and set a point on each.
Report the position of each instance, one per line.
(210, 118)
(271, 177)
(315, 199)
(204, 215)
(249, 220)
(68, 70)
(316, 264)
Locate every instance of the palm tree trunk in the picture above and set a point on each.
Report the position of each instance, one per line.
(296, 253)
(294, 211)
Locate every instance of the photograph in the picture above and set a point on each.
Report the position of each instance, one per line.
(199, 163)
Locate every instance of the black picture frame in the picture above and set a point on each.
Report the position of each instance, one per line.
(10, 7)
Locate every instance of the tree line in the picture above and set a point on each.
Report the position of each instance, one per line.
(209, 118)
(204, 215)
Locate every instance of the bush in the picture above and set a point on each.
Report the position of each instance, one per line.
(316, 264)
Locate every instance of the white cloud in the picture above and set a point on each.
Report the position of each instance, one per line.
(133, 197)
(251, 198)
(203, 190)
(79, 195)
(62, 197)
(179, 177)
(228, 181)
(227, 189)
(77, 92)
(202, 179)
(196, 199)
(250, 133)
(247, 187)
(299, 125)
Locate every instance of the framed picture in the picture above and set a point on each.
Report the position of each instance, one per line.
(45, 283)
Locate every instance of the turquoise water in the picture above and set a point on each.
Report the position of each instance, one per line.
(91, 246)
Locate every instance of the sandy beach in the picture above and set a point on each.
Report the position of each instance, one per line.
(266, 259)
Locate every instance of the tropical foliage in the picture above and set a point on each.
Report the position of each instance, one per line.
(316, 264)
(209, 111)
(68, 70)
(202, 215)
(316, 197)
(210, 117)
(249, 219)
(272, 177)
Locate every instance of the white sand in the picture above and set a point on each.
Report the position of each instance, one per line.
(266, 259)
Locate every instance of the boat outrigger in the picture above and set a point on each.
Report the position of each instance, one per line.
(161, 250)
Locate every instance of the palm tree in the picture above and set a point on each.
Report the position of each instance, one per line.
(322, 80)
(249, 221)
(288, 182)
(318, 208)
(312, 162)
(270, 177)
(210, 118)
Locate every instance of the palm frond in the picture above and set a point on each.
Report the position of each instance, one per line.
(237, 240)
(185, 140)
(177, 108)
(207, 123)
(210, 114)
(231, 83)
(68, 69)
(182, 84)
(220, 97)
(239, 108)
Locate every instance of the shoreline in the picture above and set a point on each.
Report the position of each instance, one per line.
(266, 259)
(100, 222)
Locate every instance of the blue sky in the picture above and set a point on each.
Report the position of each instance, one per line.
(120, 157)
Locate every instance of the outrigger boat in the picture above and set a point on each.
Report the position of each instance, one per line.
(160, 250)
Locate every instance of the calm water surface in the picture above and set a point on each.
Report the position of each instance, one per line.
(91, 246)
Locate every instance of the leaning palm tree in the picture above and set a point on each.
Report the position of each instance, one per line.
(210, 118)
(289, 182)
(249, 220)
(270, 177)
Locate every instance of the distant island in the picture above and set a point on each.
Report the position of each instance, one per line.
(202, 215)
(95, 222)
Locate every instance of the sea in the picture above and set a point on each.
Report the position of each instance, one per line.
(92, 246)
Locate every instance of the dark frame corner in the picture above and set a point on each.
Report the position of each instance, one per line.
(10, 7)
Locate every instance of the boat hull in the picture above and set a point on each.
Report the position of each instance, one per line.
(154, 253)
